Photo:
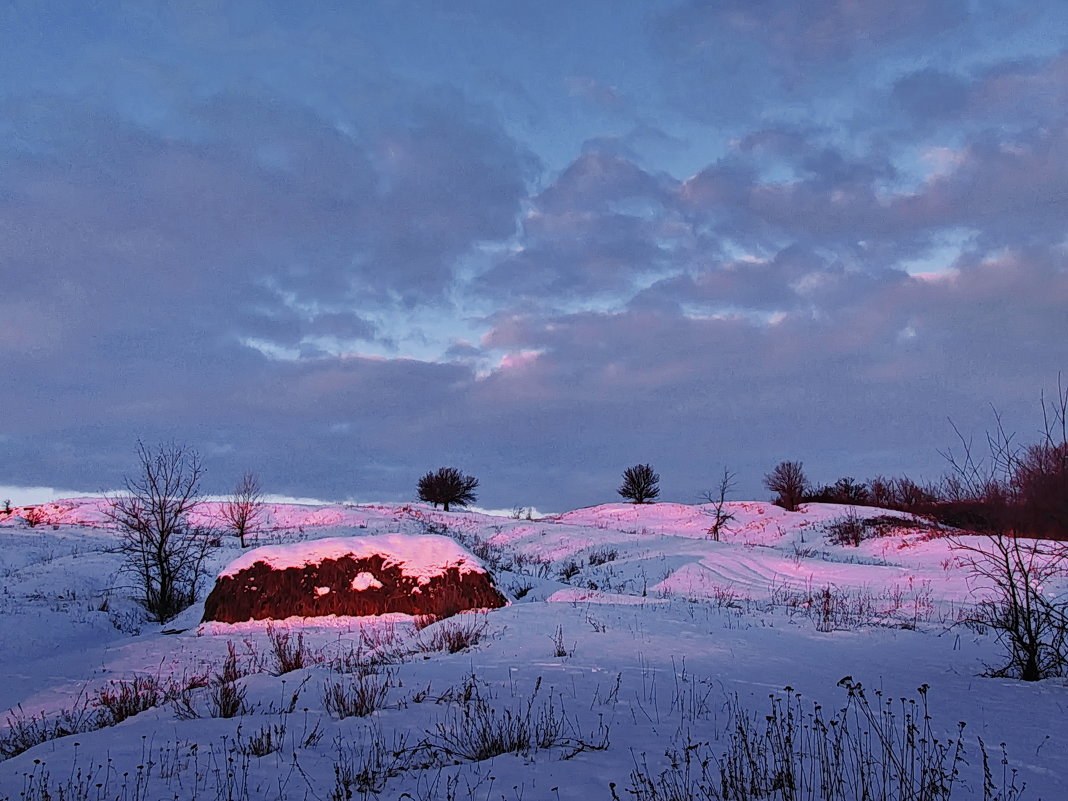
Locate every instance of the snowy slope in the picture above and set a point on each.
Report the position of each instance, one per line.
(633, 634)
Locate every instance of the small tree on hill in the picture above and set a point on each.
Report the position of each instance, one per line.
(244, 512)
(161, 548)
(789, 484)
(718, 499)
(641, 484)
(448, 486)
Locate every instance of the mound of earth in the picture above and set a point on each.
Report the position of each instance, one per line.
(358, 576)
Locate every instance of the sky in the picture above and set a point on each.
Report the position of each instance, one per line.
(341, 244)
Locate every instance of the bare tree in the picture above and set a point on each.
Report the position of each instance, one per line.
(718, 498)
(244, 512)
(162, 549)
(641, 484)
(1013, 573)
(448, 486)
(1014, 491)
(789, 484)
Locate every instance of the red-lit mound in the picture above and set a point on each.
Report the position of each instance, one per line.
(416, 575)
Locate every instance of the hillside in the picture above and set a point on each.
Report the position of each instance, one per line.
(633, 647)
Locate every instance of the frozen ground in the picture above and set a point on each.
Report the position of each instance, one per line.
(633, 643)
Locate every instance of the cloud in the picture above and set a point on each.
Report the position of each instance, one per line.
(820, 31)
(215, 234)
(594, 229)
(1015, 93)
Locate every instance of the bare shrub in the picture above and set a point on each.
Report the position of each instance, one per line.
(290, 653)
(22, 732)
(846, 530)
(245, 512)
(125, 698)
(560, 650)
(474, 730)
(878, 749)
(453, 635)
(532, 565)
(602, 556)
(789, 484)
(268, 739)
(569, 569)
(227, 700)
(641, 484)
(1022, 489)
(226, 697)
(34, 516)
(1009, 489)
(362, 770)
(718, 498)
(521, 589)
(161, 548)
(358, 697)
(1030, 624)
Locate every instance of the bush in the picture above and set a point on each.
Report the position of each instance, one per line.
(641, 484)
(124, 699)
(844, 490)
(789, 484)
(289, 652)
(34, 516)
(1017, 492)
(447, 486)
(359, 697)
(1032, 626)
(454, 635)
(476, 731)
(1017, 489)
(846, 530)
(602, 556)
(569, 569)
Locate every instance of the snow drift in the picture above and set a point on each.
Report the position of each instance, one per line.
(353, 576)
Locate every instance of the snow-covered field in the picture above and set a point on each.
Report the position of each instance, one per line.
(633, 648)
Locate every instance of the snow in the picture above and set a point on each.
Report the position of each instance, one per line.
(419, 557)
(653, 636)
(365, 581)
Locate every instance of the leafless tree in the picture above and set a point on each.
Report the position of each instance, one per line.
(447, 486)
(245, 512)
(1014, 575)
(641, 484)
(1019, 491)
(718, 498)
(789, 484)
(162, 549)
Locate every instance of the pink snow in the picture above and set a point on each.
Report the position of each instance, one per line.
(364, 581)
(419, 556)
(579, 595)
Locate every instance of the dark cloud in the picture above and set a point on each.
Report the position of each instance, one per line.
(594, 229)
(820, 31)
(1011, 94)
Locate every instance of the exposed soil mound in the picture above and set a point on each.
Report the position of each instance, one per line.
(416, 575)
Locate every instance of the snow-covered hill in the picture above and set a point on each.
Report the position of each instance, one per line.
(634, 641)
